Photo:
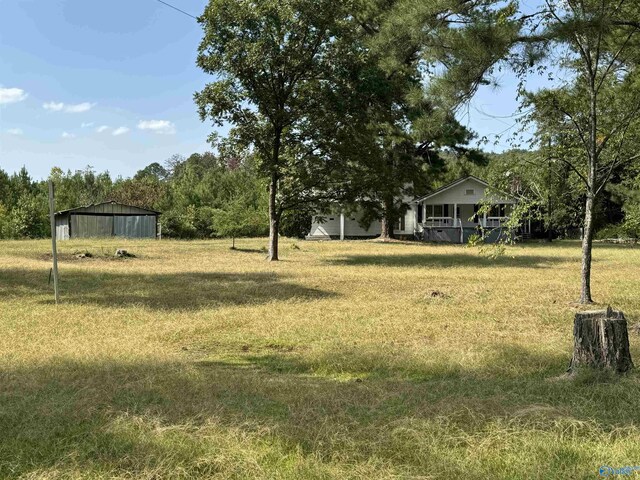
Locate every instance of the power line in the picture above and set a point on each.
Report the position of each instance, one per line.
(177, 9)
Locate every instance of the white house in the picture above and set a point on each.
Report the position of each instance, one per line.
(448, 214)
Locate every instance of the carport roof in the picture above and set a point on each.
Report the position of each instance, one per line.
(77, 209)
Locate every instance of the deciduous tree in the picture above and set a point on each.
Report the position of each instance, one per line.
(272, 61)
(591, 118)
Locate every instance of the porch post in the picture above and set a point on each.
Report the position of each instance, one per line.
(455, 220)
(484, 224)
(341, 225)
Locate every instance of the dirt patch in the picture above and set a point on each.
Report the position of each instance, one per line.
(85, 256)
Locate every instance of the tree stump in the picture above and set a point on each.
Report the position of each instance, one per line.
(601, 341)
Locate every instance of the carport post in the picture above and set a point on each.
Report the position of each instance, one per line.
(54, 248)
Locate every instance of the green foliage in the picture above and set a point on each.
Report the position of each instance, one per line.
(474, 240)
(419, 62)
(628, 190)
(297, 223)
(620, 231)
(80, 188)
(210, 195)
(277, 65)
(29, 218)
(242, 214)
(590, 121)
(202, 196)
(23, 206)
(5, 225)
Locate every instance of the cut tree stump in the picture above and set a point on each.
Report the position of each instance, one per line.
(601, 340)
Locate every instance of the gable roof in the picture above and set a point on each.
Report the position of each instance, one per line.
(451, 185)
(85, 207)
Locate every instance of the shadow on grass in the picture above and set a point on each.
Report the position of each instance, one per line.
(577, 245)
(182, 290)
(174, 417)
(461, 259)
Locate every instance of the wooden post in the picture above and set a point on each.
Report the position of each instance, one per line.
(601, 340)
(341, 225)
(54, 248)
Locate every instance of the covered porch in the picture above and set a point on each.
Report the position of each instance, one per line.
(456, 222)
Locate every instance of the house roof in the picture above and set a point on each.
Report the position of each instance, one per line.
(88, 207)
(451, 185)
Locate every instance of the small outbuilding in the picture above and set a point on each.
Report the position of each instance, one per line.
(107, 219)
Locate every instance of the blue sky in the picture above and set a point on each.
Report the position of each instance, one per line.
(110, 84)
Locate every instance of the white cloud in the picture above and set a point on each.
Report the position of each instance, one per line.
(120, 131)
(102, 128)
(53, 106)
(11, 95)
(68, 135)
(79, 108)
(87, 124)
(15, 131)
(62, 107)
(158, 126)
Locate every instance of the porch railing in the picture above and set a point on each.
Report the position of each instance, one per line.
(491, 222)
(495, 222)
(442, 222)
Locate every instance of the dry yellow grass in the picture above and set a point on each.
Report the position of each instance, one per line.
(345, 360)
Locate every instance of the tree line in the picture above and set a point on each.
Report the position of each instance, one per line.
(201, 196)
(208, 196)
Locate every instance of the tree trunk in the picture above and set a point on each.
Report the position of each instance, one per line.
(274, 219)
(601, 341)
(274, 211)
(587, 244)
(592, 159)
(387, 221)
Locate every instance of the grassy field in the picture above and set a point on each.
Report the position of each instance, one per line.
(345, 360)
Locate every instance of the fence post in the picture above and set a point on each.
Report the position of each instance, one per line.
(54, 248)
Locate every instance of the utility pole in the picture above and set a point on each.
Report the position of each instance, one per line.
(54, 248)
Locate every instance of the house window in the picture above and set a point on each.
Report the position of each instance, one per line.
(332, 218)
(438, 211)
(420, 214)
(400, 224)
(470, 191)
